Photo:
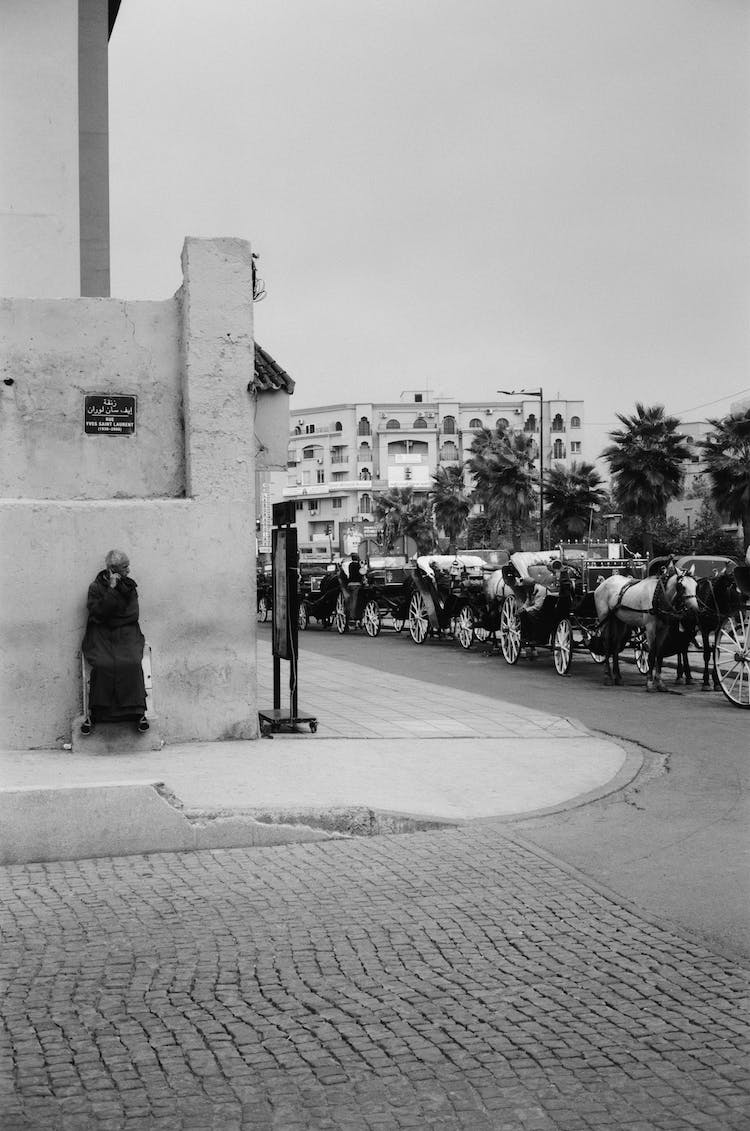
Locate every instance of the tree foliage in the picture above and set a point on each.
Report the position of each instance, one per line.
(450, 502)
(726, 451)
(402, 514)
(570, 493)
(646, 459)
(502, 464)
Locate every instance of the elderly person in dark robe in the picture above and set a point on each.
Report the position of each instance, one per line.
(113, 646)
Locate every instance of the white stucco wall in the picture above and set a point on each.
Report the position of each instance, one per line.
(193, 558)
(39, 199)
(57, 351)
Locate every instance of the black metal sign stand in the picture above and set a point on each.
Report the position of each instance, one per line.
(285, 559)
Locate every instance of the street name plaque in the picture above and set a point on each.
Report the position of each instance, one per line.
(109, 414)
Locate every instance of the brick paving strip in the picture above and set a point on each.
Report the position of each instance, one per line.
(452, 979)
(382, 705)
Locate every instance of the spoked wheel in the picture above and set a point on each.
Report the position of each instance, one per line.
(398, 623)
(640, 650)
(262, 610)
(340, 618)
(303, 617)
(562, 647)
(510, 631)
(481, 634)
(371, 618)
(732, 658)
(419, 621)
(464, 627)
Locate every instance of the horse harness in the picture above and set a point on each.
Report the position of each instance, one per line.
(661, 612)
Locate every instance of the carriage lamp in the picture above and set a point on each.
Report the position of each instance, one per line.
(535, 393)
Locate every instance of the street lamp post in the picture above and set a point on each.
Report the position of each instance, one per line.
(535, 393)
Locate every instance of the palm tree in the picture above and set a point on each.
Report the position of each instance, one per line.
(502, 464)
(450, 502)
(726, 451)
(571, 493)
(402, 514)
(646, 461)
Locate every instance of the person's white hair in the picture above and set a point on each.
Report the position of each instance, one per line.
(115, 558)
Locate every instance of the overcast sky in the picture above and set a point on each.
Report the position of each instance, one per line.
(458, 195)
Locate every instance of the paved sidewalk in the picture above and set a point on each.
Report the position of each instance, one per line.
(387, 744)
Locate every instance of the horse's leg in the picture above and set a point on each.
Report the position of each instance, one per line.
(707, 657)
(650, 638)
(660, 638)
(606, 635)
(681, 661)
(618, 631)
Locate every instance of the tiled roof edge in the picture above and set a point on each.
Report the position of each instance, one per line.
(269, 376)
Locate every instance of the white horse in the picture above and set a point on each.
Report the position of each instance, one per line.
(655, 604)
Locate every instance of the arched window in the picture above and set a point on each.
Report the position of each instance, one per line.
(308, 453)
(298, 430)
(365, 505)
(449, 425)
(558, 450)
(557, 423)
(449, 451)
(363, 428)
(391, 424)
(338, 426)
(575, 422)
(365, 474)
(530, 425)
(503, 421)
(420, 422)
(476, 423)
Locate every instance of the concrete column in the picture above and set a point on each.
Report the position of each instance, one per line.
(218, 363)
(93, 150)
(39, 199)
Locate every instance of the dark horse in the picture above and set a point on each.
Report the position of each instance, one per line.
(718, 597)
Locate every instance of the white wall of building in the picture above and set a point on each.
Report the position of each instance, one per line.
(357, 450)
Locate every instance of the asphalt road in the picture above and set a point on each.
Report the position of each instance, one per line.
(677, 841)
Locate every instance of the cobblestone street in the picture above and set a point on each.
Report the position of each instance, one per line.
(449, 979)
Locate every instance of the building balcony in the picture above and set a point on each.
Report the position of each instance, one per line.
(339, 459)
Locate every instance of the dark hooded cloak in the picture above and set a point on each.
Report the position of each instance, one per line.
(113, 646)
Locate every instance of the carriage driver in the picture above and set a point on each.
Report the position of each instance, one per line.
(533, 594)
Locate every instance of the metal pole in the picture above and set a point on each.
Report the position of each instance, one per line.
(541, 468)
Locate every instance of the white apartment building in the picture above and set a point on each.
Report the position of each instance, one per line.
(340, 455)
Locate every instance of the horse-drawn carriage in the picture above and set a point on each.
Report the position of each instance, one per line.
(389, 578)
(264, 592)
(731, 652)
(447, 597)
(566, 619)
(317, 594)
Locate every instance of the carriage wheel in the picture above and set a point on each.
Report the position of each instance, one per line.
(262, 610)
(640, 650)
(481, 634)
(398, 623)
(732, 658)
(510, 631)
(371, 618)
(464, 627)
(562, 647)
(340, 618)
(419, 621)
(303, 617)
